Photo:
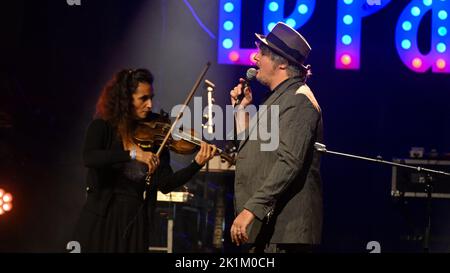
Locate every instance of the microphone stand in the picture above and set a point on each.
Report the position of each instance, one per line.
(428, 186)
(210, 88)
(205, 206)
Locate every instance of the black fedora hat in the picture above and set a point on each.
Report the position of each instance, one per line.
(287, 42)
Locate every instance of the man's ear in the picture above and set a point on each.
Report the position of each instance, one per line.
(283, 66)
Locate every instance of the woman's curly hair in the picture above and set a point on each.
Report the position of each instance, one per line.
(115, 103)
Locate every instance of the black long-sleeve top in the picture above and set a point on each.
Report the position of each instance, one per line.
(107, 161)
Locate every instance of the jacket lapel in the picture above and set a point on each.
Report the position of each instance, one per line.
(271, 100)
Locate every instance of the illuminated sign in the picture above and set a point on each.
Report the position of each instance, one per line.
(350, 14)
(229, 50)
(438, 59)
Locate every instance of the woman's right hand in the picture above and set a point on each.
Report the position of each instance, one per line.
(148, 158)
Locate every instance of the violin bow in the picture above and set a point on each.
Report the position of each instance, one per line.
(179, 115)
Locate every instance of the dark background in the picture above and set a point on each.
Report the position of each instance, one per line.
(55, 58)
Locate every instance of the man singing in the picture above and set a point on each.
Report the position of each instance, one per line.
(278, 193)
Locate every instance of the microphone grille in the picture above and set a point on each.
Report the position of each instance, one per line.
(251, 73)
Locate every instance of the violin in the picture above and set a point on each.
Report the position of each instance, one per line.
(150, 134)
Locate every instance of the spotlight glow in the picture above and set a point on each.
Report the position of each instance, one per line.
(346, 39)
(7, 198)
(406, 26)
(5, 201)
(302, 9)
(348, 19)
(442, 14)
(273, 6)
(233, 56)
(427, 2)
(417, 63)
(252, 57)
(441, 47)
(291, 22)
(228, 7)
(346, 59)
(406, 44)
(415, 11)
(442, 31)
(228, 25)
(7, 207)
(440, 63)
(227, 43)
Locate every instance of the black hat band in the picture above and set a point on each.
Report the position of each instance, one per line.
(273, 39)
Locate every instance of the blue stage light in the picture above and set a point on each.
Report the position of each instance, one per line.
(273, 6)
(303, 9)
(346, 39)
(440, 47)
(348, 19)
(406, 44)
(228, 7)
(406, 26)
(228, 25)
(427, 2)
(415, 11)
(442, 14)
(227, 43)
(291, 22)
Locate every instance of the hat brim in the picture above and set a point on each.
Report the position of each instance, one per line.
(263, 39)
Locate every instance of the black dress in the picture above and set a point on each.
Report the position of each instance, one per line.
(115, 217)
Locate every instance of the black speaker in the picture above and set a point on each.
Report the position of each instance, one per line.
(411, 183)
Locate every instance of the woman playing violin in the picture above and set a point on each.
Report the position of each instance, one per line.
(117, 216)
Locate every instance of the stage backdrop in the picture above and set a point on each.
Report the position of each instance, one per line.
(380, 74)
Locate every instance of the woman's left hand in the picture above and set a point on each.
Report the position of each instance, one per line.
(206, 153)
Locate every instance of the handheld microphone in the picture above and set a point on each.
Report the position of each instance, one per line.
(320, 147)
(250, 75)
